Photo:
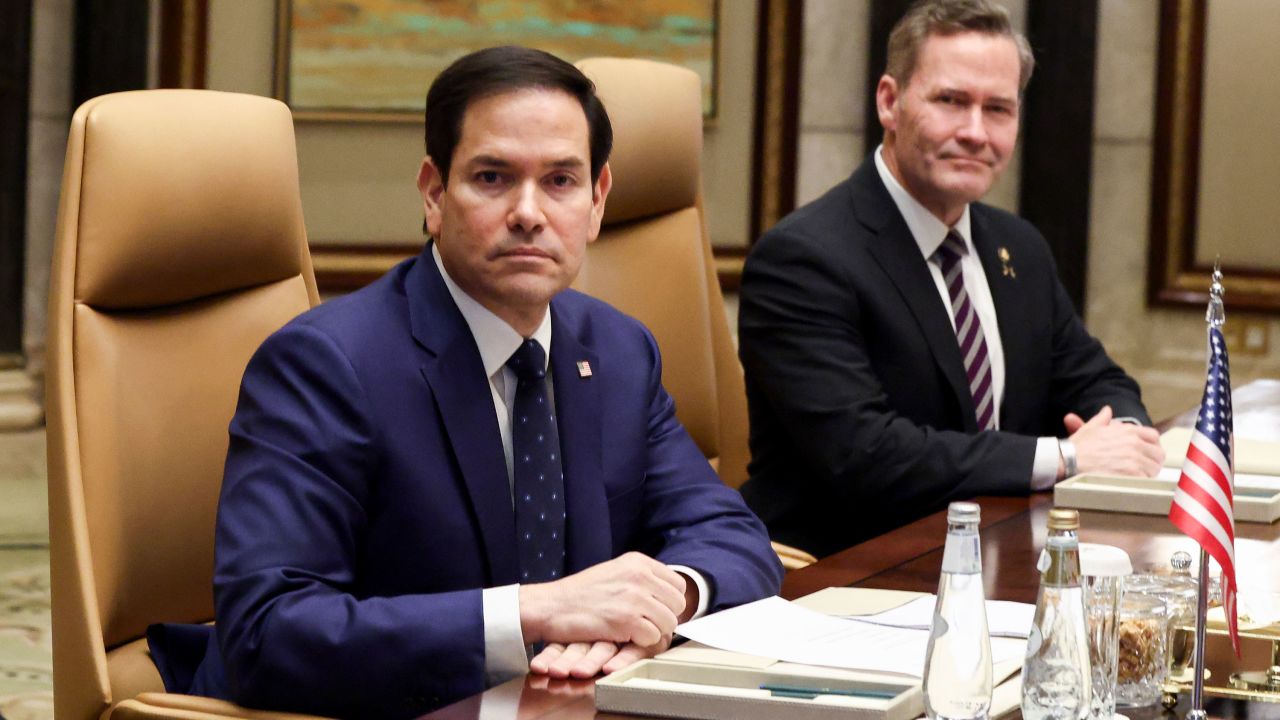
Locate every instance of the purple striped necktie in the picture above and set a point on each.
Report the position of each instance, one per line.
(973, 344)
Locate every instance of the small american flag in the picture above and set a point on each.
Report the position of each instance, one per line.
(584, 369)
(1203, 506)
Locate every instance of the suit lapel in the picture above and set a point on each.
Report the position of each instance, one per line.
(578, 419)
(454, 372)
(898, 255)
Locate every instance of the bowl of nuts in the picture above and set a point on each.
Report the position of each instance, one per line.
(1141, 661)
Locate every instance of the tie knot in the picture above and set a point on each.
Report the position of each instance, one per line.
(528, 362)
(952, 248)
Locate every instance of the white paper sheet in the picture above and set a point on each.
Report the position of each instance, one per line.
(775, 628)
(1004, 618)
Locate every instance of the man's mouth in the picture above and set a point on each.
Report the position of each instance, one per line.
(963, 160)
(525, 251)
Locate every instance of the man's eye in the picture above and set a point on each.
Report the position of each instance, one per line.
(488, 177)
(562, 180)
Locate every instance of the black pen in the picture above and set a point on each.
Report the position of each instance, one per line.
(809, 693)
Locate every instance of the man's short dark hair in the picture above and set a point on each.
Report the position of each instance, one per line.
(496, 70)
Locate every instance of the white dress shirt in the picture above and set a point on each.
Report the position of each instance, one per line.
(505, 653)
(929, 232)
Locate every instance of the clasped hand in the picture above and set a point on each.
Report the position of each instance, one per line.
(1117, 448)
(603, 618)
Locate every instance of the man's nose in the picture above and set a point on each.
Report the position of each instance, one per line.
(526, 215)
(973, 130)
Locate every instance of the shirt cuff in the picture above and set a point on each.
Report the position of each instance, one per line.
(1044, 469)
(505, 656)
(704, 590)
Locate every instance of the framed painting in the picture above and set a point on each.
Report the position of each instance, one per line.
(373, 59)
(1214, 167)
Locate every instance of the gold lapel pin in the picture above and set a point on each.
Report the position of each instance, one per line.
(1005, 268)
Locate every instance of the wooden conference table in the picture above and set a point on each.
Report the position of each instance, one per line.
(1012, 530)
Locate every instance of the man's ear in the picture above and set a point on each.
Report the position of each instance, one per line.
(888, 94)
(431, 185)
(599, 191)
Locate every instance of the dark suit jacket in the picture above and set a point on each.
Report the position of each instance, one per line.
(861, 417)
(366, 499)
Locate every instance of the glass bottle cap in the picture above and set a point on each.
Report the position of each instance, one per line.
(1104, 561)
(963, 512)
(1064, 519)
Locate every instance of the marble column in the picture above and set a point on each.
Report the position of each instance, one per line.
(22, 390)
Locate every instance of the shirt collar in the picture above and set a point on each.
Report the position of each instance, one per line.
(496, 340)
(925, 227)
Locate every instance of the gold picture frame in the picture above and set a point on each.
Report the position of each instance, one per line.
(1175, 276)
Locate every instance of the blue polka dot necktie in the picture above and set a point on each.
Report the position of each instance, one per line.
(539, 477)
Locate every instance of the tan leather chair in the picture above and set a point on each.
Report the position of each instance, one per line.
(180, 246)
(653, 258)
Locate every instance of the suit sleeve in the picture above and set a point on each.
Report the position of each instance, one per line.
(292, 632)
(691, 518)
(1084, 377)
(806, 361)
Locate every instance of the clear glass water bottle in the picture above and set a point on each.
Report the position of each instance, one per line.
(957, 664)
(1056, 675)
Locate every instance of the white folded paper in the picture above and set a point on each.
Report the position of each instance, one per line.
(775, 628)
(1004, 618)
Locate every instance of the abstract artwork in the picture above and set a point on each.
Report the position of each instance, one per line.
(375, 58)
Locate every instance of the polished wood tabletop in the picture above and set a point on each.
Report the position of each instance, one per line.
(910, 558)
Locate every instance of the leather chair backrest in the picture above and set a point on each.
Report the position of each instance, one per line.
(180, 246)
(653, 258)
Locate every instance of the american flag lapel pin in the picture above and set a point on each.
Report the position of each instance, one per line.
(584, 369)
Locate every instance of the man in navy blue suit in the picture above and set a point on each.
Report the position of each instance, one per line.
(466, 463)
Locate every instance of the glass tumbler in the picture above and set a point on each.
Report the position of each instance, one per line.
(1102, 604)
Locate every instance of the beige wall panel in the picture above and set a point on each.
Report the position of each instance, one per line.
(1239, 152)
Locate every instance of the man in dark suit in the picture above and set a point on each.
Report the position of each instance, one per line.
(466, 459)
(905, 345)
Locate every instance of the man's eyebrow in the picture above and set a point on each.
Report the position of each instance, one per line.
(489, 161)
(963, 93)
(570, 162)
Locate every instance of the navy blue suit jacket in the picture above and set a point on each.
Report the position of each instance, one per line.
(366, 500)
